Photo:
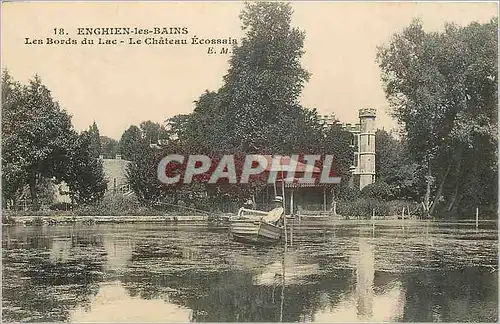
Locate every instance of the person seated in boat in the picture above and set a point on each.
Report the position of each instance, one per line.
(275, 215)
(249, 204)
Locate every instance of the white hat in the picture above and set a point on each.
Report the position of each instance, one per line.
(278, 199)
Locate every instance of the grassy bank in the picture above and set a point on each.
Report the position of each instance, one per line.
(111, 205)
(118, 208)
(113, 208)
(366, 207)
(90, 220)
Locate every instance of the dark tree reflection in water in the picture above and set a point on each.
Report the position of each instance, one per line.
(43, 280)
(341, 273)
(234, 296)
(474, 297)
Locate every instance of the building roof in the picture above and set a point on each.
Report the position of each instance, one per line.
(287, 160)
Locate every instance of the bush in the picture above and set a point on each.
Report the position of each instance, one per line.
(363, 208)
(349, 193)
(378, 190)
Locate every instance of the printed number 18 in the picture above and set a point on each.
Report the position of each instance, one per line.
(59, 31)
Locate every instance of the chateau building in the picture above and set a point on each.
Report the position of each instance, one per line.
(328, 120)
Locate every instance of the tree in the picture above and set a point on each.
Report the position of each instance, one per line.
(378, 190)
(95, 141)
(141, 146)
(136, 139)
(152, 133)
(265, 78)
(109, 147)
(257, 108)
(337, 142)
(37, 137)
(389, 154)
(143, 179)
(13, 172)
(85, 179)
(130, 143)
(442, 88)
(202, 130)
(394, 167)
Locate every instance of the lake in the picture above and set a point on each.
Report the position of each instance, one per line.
(185, 273)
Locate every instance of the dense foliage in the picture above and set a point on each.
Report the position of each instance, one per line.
(443, 89)
(39, 144)
(109, 147)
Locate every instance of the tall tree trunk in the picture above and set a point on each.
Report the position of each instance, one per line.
(440, 188)
(427, 196)
(456, 205)
(453, 198)
(32, 181)
(457, 185)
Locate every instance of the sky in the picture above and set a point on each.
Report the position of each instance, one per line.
(121, 85)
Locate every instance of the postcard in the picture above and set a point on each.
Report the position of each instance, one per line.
(249, 161)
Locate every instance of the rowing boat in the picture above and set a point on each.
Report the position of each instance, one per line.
(257, 227)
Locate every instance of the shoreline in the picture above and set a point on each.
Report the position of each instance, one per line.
(62, 220)
(189, 219)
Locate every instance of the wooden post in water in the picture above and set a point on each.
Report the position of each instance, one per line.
(477, 217)
(403, 218)
(282, 287)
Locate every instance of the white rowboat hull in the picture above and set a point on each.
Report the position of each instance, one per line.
(254, 231)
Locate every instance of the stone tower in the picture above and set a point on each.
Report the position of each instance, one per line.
(366, 147)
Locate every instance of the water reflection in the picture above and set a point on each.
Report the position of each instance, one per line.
(118, 251)
(365, 273)
(150, 273)
(474, 297)
(113, 304)
(376, 297)
(43, 278)
(296, 273)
